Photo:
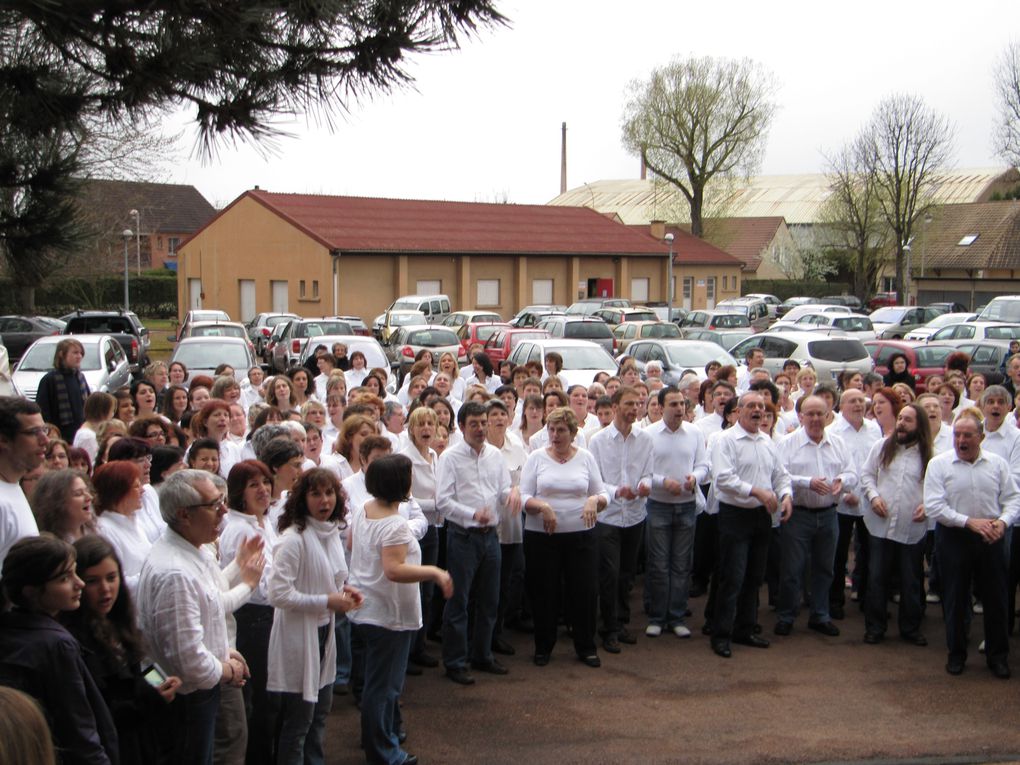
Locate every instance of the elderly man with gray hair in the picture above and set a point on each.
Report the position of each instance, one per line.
(184, 599)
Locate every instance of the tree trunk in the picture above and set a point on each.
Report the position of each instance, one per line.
(697, 204)
(25, 299)
(901, 296)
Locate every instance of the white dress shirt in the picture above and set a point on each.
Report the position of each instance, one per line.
(956, 491)
(423, 481)
(709, 424)
(238, 527)
(16, 518)
(943, 440)
(1006, 443)
(468, 481)
(805, 459)
(858, 444)
(900, 487)
(511, 526)
(128, 538)
(677, 454)
(623, 461)
(742, 461)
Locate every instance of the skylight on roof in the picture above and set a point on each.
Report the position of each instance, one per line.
(968, 240)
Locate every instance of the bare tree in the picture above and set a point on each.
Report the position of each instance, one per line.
(700, 119)
(1007, 86)
(852, 220)
(906, 146)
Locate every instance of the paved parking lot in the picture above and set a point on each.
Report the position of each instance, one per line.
(808, 698)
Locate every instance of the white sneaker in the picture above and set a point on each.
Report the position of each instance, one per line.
(653, 630)
(932, 597)
(978, 607)
(981, 648)
(681, 631)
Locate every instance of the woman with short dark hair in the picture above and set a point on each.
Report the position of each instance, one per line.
(118, 486)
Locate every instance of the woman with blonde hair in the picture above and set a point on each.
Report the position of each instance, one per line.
(99, 407)
(905, 392)
(280, 393)
(24, 733)
(448, 364)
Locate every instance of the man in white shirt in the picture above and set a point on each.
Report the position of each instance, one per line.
(891, 479)
(753, 359)
(182, 608)
(511, 525)
(624, 457)
(712, 422)
(974, 498)
(473, 490)
(23, 442)
(751, 485)
(820, 467)
(858, 433)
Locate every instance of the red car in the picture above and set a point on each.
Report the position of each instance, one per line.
(505, 339)
(478, 332)
(923, 360)
(881, 300)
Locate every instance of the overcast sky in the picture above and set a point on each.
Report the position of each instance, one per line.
(483, 123)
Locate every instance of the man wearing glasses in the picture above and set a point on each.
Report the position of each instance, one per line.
(23, 443)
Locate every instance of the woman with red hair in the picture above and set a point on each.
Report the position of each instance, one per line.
(118, 487)
(885, 408)
(213, 421)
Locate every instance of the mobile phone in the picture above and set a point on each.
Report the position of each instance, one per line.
(154, 675)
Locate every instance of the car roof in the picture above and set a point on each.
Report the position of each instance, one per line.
(564, 342)
(403, 311)
(83, 339)
(220, 339)
(217, 324)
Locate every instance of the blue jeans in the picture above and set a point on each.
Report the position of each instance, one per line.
(303, 723)
(473, 561)
(385, 664)
(669, 552)
(343, 650)
(808, 537)
(194, 725)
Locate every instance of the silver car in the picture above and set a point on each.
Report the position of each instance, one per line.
(201, 355)
(105, 365)
(827, 355)
(375, 356)
(679, 356)
(406, 342)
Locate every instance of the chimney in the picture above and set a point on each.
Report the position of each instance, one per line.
(563, 161)
(644, 167)
(657, 228)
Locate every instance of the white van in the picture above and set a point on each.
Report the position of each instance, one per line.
(1005, 308)
(435, 307)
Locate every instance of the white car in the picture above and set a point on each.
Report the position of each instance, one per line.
(853, 324)
(970, 331)
(582, 359)
(927, 330)
(678, 356)
(105, 365)
(795, 313)
(202, 355)
(827, 355)
(375, 356)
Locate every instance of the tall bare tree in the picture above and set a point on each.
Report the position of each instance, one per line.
(1007, 87)
(852, 221)
(906, 146)
(699, 119)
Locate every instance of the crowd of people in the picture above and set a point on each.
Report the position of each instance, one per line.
(193, 568)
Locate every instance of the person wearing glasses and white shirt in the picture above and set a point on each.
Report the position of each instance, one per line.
(23, 443)
(183, 599)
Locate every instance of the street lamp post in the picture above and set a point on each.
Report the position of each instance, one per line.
(127, 234)
(138, 238)
(669, 283)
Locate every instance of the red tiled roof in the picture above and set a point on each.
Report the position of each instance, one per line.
(691, 251)
(363, 224)
(743, 238)
(995, 226)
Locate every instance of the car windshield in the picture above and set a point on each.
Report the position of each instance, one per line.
(316, 328)
(211, 355)
(218, 330)
(484, 333)
(209, 316)
(584, 358)
(853, 323)
(1002, 333)
(660, 330)
(729, 320)
(587, 329)
(432, 338)
(39, 358)
(272, 321)
(1001, 309)
(641, 316)
(405, 306)
(887, 315)
(837, 350)
(400, 319)
(691, 355)
(932, 357)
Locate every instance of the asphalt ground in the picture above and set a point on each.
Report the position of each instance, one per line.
(806, 699)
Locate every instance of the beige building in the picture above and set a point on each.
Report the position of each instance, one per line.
(324, 255)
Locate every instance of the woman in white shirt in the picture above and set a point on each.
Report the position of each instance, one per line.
(449, 365)
(306, 587)
(358, 371)
(386, 566)
(249, 490)
(562, 492)
(213, 421)
(118, 487)
(99, 407)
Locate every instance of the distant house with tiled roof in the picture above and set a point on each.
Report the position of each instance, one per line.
(167, 214)
(318, 255)
(967, 253)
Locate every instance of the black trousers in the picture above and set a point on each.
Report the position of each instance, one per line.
(511, 585)
(429, 556)
(618, 552)
(572, 557)
(706, 547)
(848, 524)
(254, 625)
(906, 561)
(744, 535)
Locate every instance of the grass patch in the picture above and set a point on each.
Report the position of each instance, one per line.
(159, 329)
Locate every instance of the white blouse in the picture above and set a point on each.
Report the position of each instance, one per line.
(565, 487)
(391, 605)
(126, 535)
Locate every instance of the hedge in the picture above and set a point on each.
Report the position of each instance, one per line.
(786, 288)
(154, 296)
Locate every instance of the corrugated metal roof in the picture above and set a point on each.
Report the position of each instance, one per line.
(797, 198)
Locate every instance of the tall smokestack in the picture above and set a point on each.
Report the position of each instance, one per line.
(563, 161)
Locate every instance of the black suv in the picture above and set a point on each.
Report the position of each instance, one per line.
(125, 326)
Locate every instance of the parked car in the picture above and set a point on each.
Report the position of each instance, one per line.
(217, 329)
(722, 319)
(201, 314)
(970, 331)
(582, 360)
(882, 300)
(613, 316)
(375, 356)
(260, 328)
(434, 307)
(661, 310)
(828, 355)
(19, 332)
(802, 310)
(757, 311)
(678, 356)
(358, 325)
(630, 331)
(534, 318)
(406, 342)
(478, 332)
(949, 307)
(536, 308)
(893, 322)
(460, 318)
(790, 303)
(105, 365)
(270, 344)
(1003, 308)
(987, 357)
(387, 324)
(581, 328)
(923, 361)
(588, 306)
(724, 338)
(853, 324)
(771, 302)
(503, 341)
(292, 340)
(201, 355)
(850, 301)
(125, 326)
(927, 330)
